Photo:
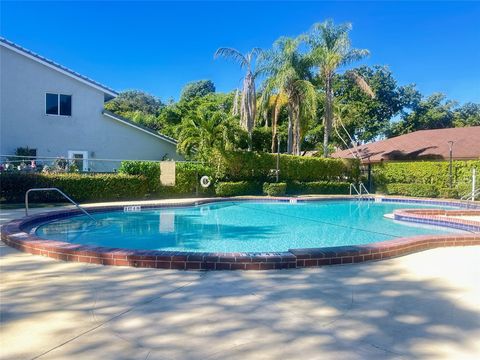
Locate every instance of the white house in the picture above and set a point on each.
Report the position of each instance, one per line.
(57, 112)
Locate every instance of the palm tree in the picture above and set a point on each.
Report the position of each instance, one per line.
(330, 49)
(248, 105)
(276, 103)
(288, 72)
(201, 132)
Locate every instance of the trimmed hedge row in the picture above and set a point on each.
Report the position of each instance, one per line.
(187, 177)
(101, 187)
(149, 169)
(274, 189)
(318, 187)
(253, 166)
(425, 178)
(238, 188)
(417, 190)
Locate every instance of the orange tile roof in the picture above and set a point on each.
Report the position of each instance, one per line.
(421, 145)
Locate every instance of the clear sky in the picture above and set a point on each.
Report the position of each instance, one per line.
(160, 46)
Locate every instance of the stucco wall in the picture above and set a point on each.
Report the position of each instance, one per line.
(23, 121)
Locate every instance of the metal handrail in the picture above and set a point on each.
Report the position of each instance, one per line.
(471, 195)
(361, 186)
(61, 193)
(352, 186)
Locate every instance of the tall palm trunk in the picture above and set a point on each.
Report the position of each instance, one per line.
(290, 128)
(328, 113)
(276, 112)
(248, 108)
(296, 127)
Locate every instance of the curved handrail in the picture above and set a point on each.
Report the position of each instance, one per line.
(61, 193)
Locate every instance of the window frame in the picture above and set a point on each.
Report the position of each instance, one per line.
(58, 103)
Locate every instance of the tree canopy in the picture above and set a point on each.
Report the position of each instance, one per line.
(197, 89)
(308, 100)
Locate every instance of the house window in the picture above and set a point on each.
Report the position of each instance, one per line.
(58, 104)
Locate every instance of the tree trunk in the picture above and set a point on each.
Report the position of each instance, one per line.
(296, 128)
(290, 130)
(276, 111)
(328, 113)
(248, 107)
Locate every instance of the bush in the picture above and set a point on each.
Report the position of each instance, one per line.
(253, 166)
(448, 193)
(433, 173)
(318, 187)
(238, 188)
(187, 177)
(101, 187)
(274, 189)
(417, 190)
(149, 169)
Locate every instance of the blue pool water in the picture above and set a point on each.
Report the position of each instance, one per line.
(240, 226)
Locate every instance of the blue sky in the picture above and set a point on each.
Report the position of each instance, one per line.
(159, 46)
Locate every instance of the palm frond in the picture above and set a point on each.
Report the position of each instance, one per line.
(232, 54)
(361, 83)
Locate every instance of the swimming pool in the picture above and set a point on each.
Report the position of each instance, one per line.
(240, 226)
(246, 234)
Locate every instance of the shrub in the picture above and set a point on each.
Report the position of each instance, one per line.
(253, 166)
(274, 189)
(418, 190)
(187, 177)
(149, 169)
(424, 172)
(434, 173)
(238, 188)
(448, 193)
(318, 187)
(101, 187)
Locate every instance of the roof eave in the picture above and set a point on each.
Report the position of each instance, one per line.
(138, 127)
(57, 67)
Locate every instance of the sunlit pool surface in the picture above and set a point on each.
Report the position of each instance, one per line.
(241, 226)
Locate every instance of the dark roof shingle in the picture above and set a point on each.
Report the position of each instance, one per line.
(421, 145)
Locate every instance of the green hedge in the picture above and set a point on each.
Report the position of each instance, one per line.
(318, 187)
(253, 166)
(432, 173)
(238, 188)
(187, 177)
(101, 187)
(149, 169)
(417, 190)
(274, 189)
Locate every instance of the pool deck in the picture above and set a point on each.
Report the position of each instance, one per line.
(425, 305)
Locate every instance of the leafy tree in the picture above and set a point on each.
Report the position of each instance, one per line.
(331, 49)
(288, 70)
(248, 107)
(197, 89)
(201, 132)
(369, 117)
(135, 101)
(434, 112)
(467, 115)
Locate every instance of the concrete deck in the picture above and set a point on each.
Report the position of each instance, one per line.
(425, 305)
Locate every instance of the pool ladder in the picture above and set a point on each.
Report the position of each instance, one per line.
(361, 191)
(61, 193)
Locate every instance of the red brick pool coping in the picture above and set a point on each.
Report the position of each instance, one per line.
(16, 235)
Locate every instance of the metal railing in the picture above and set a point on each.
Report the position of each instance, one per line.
(471, 196)
(360, 191)
(61, 193)
(354, 188)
